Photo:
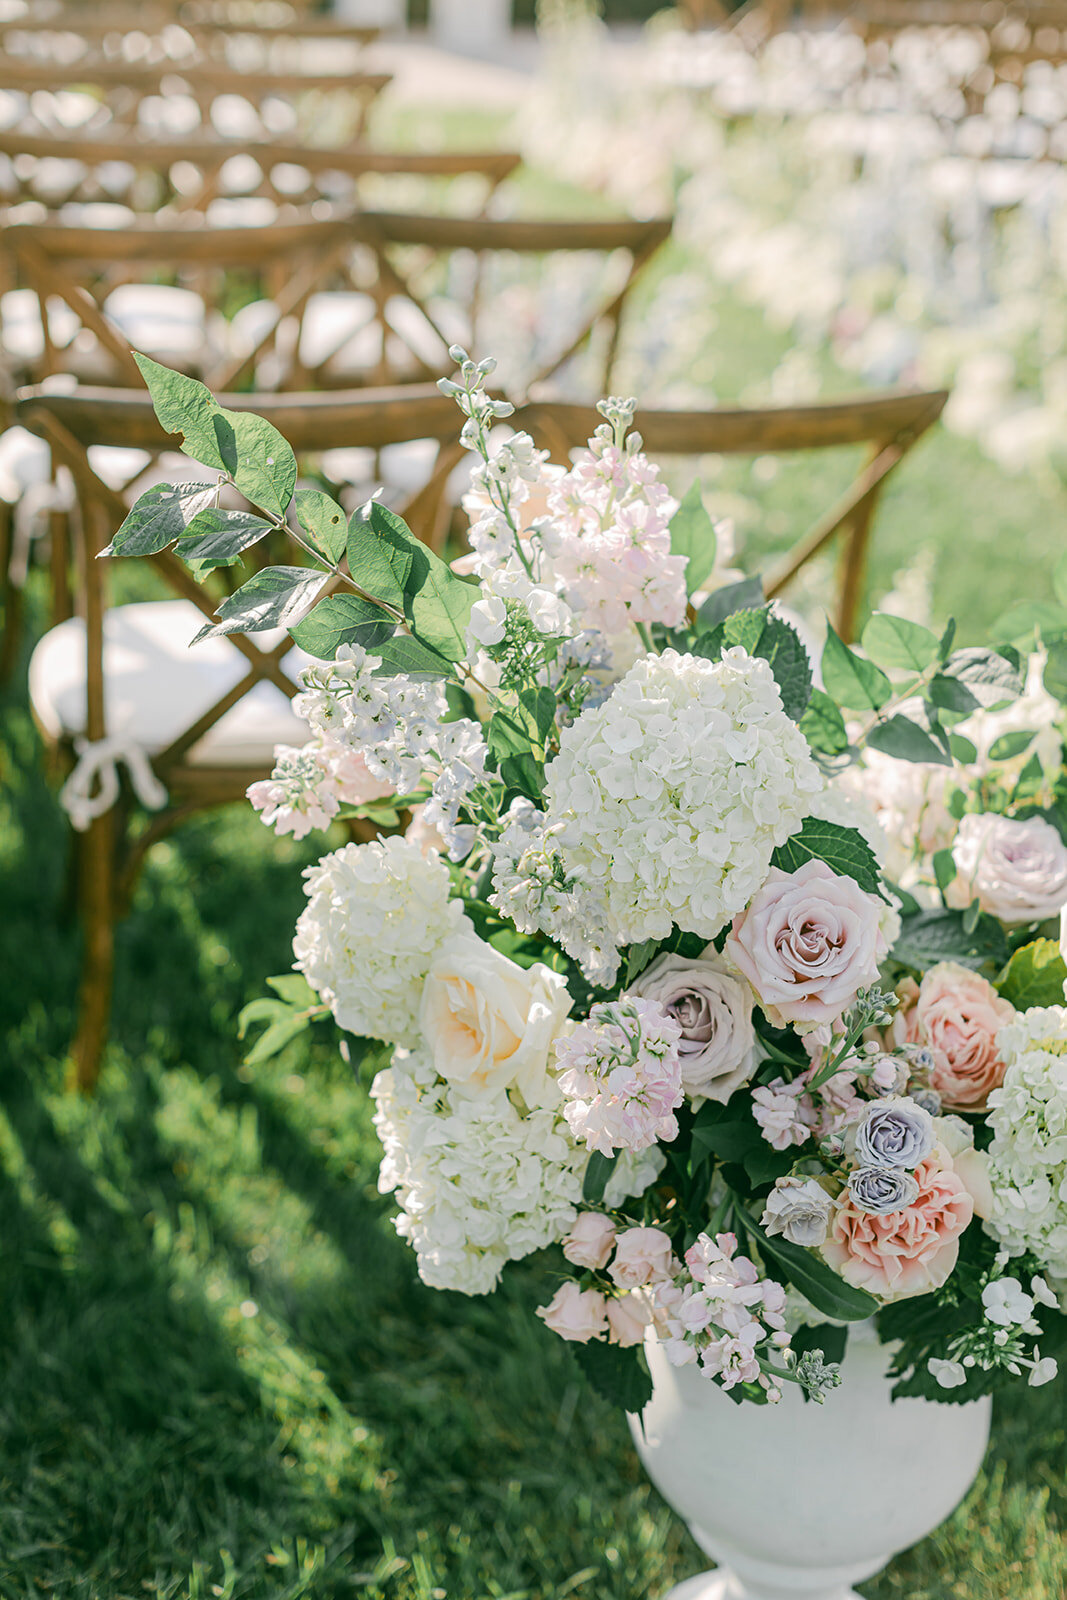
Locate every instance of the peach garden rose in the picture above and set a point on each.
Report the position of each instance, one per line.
(906, 1252)
(957, 1014)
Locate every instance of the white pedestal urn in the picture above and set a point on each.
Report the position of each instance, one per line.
(799, 1501)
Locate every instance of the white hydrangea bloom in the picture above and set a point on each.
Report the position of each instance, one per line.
(1028, 1155)
(478, 1183)
(678, 789)
(376, 916)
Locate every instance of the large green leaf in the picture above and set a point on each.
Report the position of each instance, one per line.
(896, 643)
(216, 538)
(596, 1177)
(617, 1372)
(990, 675)
(823, 725)
(934, 936)
(379, 558)
(343, 619)
(722, 603)
(437, 604)
(1055, 673)
(782, 647)
(843, 849)
(324, 523)
(693, 536)
(900, 737)
(808, 1272)
(161, 515)
(273, 598)
(1034, 976)
(849, 679)
(246, 447)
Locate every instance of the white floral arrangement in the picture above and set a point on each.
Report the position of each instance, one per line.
(724, 982)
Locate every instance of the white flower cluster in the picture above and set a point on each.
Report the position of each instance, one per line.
(310, 784)
(396, 724)
(1002, 1341)
(533, 885)
(478, 1183)
(376, 916)
(678, 789)
(1028, 1155)
(621, 1075)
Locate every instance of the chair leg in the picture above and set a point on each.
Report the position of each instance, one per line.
(97, 892)
(854, 564)
(12, 600)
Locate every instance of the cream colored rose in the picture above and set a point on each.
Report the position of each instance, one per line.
(488, 1022)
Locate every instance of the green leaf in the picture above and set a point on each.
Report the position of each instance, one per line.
(638, 957)
(1010, 745)
(823, 725)
(294, 989)
(849, 679)
(324, 523)
(596, 1177)
(263, 1009)
(744, 629)
(782, 647)
(523, 773)
(617, 1372)
(693, 536)
(540, 706)
(379, 560)
(935, 936)
(343, 619)
(732, 597)
(963, 750)
(505, 738)
(843, 849)
(1059, 580)
(951, 695)
(1034, 976)
(247, 447)
(437, 604)
(1055, 673)
(161, 515)
(1026, 617)
(944, 864)
(276, 1037)
(900, 737)
(404, 654)
(824, 1336)
(273, 598)
(991, 675)
(216, 538)
(808, 1272)
(898, 644)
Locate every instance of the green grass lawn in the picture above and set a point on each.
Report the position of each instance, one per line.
(221, 1375)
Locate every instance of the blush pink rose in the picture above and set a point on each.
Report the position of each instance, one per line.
(808, 941)
(957, 1015)
(906, 1252)
(590, 1241)
(642, 1255)
(577, 1315)
(628, 1318)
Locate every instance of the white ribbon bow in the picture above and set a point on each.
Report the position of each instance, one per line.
(97, 769)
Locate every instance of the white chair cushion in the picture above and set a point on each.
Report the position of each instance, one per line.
(156, 686)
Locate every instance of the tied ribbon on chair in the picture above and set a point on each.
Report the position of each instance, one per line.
(97, 769)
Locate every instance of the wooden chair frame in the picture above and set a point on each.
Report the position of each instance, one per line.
(888, 424)
(112, 850)
(209, 156)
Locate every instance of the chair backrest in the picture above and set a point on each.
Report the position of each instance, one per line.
(29, 32)
(76, 425)
(187, 174)
(887, 424)
(124, 87)
(412, 252)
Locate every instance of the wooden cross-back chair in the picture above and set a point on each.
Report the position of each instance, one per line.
(122, 87)
(106, 25)
(888, 425)
(188, 174)
(409, 250)
(116, 687)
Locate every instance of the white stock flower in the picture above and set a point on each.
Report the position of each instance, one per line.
(479, 1183)
(376, 917)
(678, 789)
(1028, 1154)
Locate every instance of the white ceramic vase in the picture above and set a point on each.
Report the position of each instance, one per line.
(800, 1501)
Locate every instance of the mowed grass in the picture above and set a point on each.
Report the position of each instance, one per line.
(220, 1373)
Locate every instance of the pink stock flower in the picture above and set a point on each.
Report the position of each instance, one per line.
(808, 942)
(310, 784)
(786, 1115)
(905, 1252)
(620, 1075)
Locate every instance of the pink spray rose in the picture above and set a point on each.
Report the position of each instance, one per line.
(905, 1252)
(642, 1255)
(628, 1318)
(957, 1015)
(577, 1315)
(808, 941)
(590, 1241)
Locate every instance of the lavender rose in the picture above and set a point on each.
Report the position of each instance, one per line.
(807, 943)
(880, 1190)
(894, 1132)
(1016, 869)
(713, 1008)
(799, 1209)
